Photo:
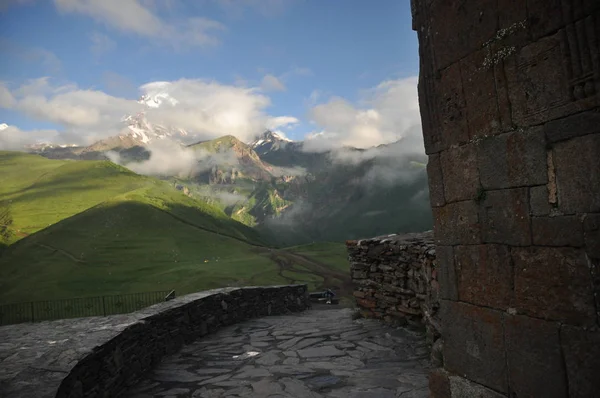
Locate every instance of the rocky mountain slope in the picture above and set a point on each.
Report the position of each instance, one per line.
(273, 183)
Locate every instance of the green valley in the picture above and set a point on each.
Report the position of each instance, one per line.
(88, 228)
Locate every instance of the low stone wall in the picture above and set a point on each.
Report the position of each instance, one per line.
(102, 357)
(395, 279)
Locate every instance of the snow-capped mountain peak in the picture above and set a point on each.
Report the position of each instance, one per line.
(155, 100)
(268, 137)
(144, 132)
(271, 140)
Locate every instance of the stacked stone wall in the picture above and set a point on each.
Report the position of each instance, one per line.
(116, 351)
(395, 279)
(510, 107)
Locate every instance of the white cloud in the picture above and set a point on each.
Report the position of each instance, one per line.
(12, 138)
(166, 158)
(6, 98)
(205, 109)
(272, 83)
(78, 108)
(269, 8)
(101, 44)
(387, 113)
(281, 121)
(133, 16)
(209, 109)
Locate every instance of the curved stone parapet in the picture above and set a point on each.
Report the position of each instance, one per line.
(103, 356)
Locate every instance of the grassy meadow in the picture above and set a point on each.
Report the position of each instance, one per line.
(89, 228)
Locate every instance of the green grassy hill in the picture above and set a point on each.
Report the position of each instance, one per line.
(88, 228)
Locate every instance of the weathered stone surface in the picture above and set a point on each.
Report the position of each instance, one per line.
(332, 370)
(528, 95)
(513, 159)
(540, 91)
(439, 383)
(474, 343)
(533, 344)
(475, 20)
(539, 205)
(545, 17)
(577, 125)
(436, 181)
(480, 94)
(484, 275)
(578, 174)
(84, 356)
(460, 175)
(461, 387)
(582, 357)
(457, 223)
(554, 283)
(591, 227)
(505, 217)
(446, 272)
(450, 106)
(557, 231)
(399, 284)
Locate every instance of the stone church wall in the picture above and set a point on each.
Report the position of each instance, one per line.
(510, 107)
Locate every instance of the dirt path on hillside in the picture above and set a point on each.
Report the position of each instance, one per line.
(61, 251)
(333, 279)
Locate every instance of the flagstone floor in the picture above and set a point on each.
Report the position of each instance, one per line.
(318, 353)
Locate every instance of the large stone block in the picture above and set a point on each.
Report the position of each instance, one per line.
(539, 204)
(460, 173)
(534, 358)
(436, 181)
(463, 388)
(432, 137)
(540, 91)
(582, 356)
(591, 228)
(450, 107)
(545, 17)
(456, 223)
(474, 343)
(577, 125)
(554, 283)
(557, 231)
(476, 21)
(485, 275)
(505, 217)
(439, 384)
(514, 159)
(446, 272)
(577, 164)
(479, 87)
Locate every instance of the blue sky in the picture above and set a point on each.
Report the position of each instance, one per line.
(328, 64)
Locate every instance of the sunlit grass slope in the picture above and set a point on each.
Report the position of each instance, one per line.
(91, 228)
(42, 192)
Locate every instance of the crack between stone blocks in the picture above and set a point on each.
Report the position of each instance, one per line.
(506, 365)
(563, 359)
(502, 311)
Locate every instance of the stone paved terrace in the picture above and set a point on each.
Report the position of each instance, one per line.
(318, 353)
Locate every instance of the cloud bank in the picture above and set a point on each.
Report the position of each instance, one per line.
(386, 113)
(142, 19)
(205, 109)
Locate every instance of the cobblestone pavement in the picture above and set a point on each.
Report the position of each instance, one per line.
(319, 353)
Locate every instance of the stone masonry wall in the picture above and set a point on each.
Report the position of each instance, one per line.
(510, 108)
(395, 279)
(102, 357)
